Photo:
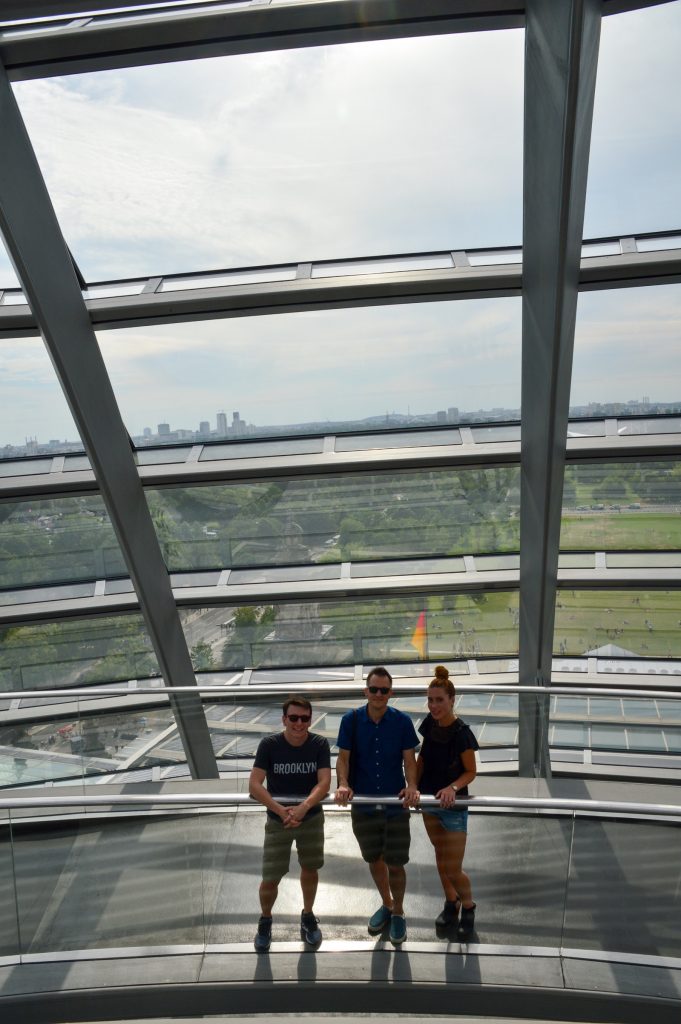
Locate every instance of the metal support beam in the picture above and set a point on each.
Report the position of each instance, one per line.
(561, 55)
(43, 265)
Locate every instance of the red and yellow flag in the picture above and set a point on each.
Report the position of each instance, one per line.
(419, 639)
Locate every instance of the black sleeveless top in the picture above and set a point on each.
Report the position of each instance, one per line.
(441, 752)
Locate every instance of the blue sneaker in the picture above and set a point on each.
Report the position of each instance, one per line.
(379, 921)
(309, 929)
(398, 929)
(263, 936)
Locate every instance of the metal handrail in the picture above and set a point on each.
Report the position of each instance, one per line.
(608, 807)
(349, 689)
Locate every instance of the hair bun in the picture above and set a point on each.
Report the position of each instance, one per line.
(441, 672)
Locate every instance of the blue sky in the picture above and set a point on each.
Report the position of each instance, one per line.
(340, 151)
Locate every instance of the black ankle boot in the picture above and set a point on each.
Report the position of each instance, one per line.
(466, 923)
(449, 914)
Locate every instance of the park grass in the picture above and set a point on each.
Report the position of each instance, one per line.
(621, 531)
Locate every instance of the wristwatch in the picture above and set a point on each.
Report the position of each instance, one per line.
(455, 788)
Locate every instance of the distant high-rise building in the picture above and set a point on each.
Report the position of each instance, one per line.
(238, 425)
(146, 432)
(204, 427)
(452, 414)
(441, 416)
(163, 428)
(221, 424)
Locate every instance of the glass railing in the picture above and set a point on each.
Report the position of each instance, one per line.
(91, 873)
(128, 733)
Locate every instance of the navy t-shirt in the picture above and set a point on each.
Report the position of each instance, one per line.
(441, 753)
(378, 746)
(292, 771)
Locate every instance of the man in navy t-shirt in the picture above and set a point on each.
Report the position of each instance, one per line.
(294, 763)
(376, 750)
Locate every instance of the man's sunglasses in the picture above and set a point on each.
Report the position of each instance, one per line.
(299, 718)
(379, 689)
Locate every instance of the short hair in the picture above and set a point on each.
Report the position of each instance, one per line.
(301, 702)
(442, 681)
(380, 671)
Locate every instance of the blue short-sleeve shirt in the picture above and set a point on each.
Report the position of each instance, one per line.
(378, 766)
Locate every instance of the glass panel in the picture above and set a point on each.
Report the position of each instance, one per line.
(57, 541)
(617, 623)
(481, 435)
(75, 652)
(619, 506)
(255, 449)
(649, 560)
(404, 439)
(329, 519)
(353, 631)
(668, 425)
(156, 457)
(255, 276)
(9, 933)
(108, 291)
(34, 416)
(606, 880)
(660, 243)
(590, 249)
(286, 171)
(613, 374)
(288, 382)
(121, 868)
(495, 258)
(634, 162)
(387, 266)
(426, 565)
(35, 594)
(586, 429)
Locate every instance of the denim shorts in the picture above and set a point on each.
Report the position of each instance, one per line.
(452, 819)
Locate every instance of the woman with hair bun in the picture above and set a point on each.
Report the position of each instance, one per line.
(446, 765)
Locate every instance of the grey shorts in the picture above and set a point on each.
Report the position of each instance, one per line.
(309, 840)
(382, 835)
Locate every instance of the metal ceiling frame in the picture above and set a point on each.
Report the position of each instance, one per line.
(560, 67)
(43, 265)
(561, 57)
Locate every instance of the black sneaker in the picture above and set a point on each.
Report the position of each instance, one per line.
(263, 936)
(449, 914)
(309, 929)
(466, 924)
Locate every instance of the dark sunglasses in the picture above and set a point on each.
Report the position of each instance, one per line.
(299, 718)
(379, 689)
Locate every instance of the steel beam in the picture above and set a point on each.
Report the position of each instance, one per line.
(42, 263)
(408, 455)
(156, 301)
(561, 56)
(131, 40)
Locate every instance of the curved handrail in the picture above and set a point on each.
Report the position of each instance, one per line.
(617, 807)
(322, 689)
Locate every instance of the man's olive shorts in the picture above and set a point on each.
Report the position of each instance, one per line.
(382, 835)
(309, 839)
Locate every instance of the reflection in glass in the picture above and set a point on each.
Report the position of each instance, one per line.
(331, 519)
(80, 744)
(607, 623)
(422, 364)
(352, 631)
(121, 872)
(75, 652)
(606, 880)
(9, 934)
(57, 540)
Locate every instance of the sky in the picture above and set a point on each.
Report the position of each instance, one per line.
(362, 149)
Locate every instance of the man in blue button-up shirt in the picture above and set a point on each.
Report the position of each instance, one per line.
(376, 750)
